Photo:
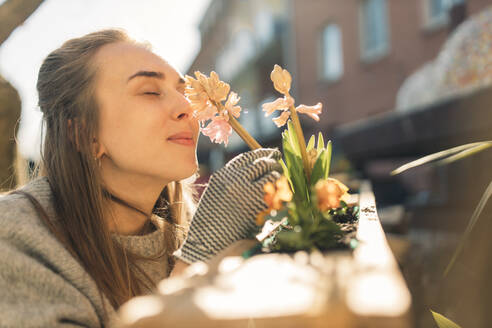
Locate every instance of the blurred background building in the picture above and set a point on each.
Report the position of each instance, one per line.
(353, 56)
(398, 80)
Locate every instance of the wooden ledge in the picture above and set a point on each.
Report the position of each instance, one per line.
(333, 289)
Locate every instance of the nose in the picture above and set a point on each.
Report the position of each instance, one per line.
(182, 108)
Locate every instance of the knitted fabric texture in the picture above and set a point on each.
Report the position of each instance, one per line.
(227, 210)
(41, 284)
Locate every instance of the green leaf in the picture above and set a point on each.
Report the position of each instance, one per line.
(452, 153)
(293, 214)
(476, 214)
(286, 172)
(442, 321)
(321, 143)
(328, 159)
(319, 168)
(294, 165)
(465, 153)
(292, 138)
(292, 241)
(310, 144)
(296, 173)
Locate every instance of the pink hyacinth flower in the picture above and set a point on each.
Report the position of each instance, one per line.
(218, 130)
(278, 104)
(282, 119)
(231, 105)
(207, 113)
(311, 111)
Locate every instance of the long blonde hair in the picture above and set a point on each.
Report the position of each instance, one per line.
(66, 94)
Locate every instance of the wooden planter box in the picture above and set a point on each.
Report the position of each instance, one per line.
(363, 288)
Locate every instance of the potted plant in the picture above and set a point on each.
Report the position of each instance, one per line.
(299, 283)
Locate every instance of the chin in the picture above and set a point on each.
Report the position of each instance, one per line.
(185, 171)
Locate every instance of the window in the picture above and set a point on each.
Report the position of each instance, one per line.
(331, 53)
(436, 12)
(235, 54)
(374, 29)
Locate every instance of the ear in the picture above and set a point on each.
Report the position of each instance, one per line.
(98, 149)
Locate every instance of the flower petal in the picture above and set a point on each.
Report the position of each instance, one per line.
(192, 85)
(230, 105)
(218, 89)
(232, 100)
(311, 111)
(329, 193)
(281, 79)
(283, 189)
(282, 119)
(206, 113)
(218, 130)
(278, 104)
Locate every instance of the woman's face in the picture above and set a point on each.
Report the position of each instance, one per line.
(146, 125)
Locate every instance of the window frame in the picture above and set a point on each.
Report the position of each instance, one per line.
(434, 23)
(321, 54)
(372, 55)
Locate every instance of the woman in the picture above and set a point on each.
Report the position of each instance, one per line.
(111, 207)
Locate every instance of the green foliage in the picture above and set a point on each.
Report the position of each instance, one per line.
(442, 321)
(476, 214)
(310, 144)
(307, 227)
(446, 156)
(321, 143)
(319, 169)
(293, 165)
(442, 158)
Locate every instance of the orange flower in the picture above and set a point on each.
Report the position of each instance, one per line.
(329, 193)
(275, 196)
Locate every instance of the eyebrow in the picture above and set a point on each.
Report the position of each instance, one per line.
(157, 75)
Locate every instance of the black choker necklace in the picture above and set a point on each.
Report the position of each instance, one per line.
(122, 202)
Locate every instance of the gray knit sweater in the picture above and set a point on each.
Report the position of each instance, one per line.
(41, 284)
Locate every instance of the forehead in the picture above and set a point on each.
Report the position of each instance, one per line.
(116, 62)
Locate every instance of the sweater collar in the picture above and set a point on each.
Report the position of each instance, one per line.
(144, 245)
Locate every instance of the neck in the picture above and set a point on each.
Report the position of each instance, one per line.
(138, 192)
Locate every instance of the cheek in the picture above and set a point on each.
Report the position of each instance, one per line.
(131, 129)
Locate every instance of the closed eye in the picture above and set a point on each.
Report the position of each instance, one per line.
(152, 93)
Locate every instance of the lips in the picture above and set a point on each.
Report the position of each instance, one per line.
(183, 138)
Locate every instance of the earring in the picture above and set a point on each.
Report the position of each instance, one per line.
(98, 161)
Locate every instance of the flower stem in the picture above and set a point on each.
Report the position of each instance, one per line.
(248, 139)
(302, 142)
